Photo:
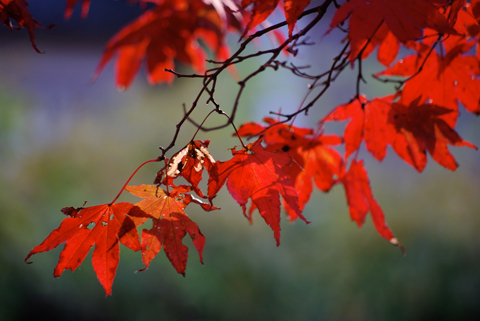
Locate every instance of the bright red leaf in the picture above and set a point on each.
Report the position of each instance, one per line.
(443, 81)
(102, 225)
(170, 224)
(361, 201)
(169, 31)
(263, 8)
(255, 173)
(406, 19)
(368, 121)
(313, 158)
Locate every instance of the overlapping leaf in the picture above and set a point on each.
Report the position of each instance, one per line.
(313, 158)
(170, 224)
(406, 19)
(368, 121)
(169, 31)
(443, 81)
(18, 11)
(257, 174)
(418, 128)
(261, 9)
(102, 225)
(189, 163)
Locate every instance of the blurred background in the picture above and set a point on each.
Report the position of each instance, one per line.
(65, 139)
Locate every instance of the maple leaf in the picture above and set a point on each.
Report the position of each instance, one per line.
(368, 121)
(17, 10)
(167, 32)
(256, 173)
(416, 129)
(170, 224)
(263, 8)
(189, 163)
(442, 81)
(102, 225)
(313, 158)
(388, 46)
(406, 19)
(361, 201)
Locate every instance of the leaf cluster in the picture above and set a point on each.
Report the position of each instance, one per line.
(437, 77)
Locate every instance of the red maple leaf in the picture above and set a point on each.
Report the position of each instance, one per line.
(256, 173)
(361, 201)
(169, 31)
(368, 121)
(443, 81)
(263, 8)
(170, 224)
(17, 10)
(388, 46)
(189, 163)
(102, 225)
(416, 129)
(406, 19)
(313, 158)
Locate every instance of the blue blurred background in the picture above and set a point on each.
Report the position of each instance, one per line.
(65, 139)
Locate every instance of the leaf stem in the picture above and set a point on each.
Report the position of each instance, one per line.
(131, 176)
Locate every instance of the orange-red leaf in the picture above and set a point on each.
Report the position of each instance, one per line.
(313, 158)
(169, 31)
(255, 173)
(170, 224)
(102, 225)
(260, 11)
(293, 10)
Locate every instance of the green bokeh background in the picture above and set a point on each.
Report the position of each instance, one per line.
(64, 140)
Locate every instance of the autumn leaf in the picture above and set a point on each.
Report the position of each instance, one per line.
(313, 158)
(256, 173)
(102, 225)
(170, 224)
(167, 32)
(261, 9)
(443, 81)
(361, 201)
(368, 121)
(17, 10)
(418, 128)
(406, 19)
(387, 43)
